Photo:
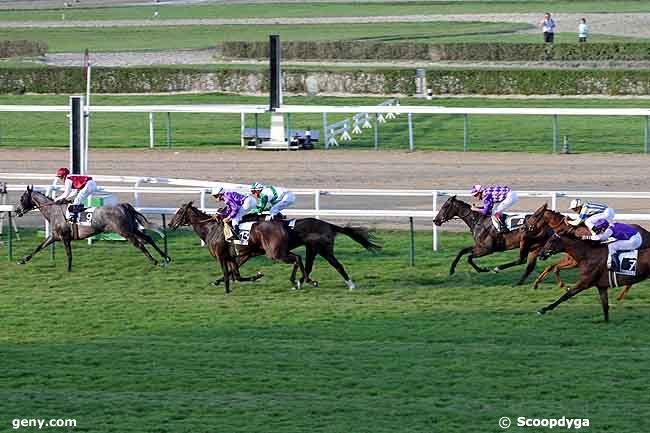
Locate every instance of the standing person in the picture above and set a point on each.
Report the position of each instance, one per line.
(548, 27)
(496, 200)
(82, 186)
(582, 30)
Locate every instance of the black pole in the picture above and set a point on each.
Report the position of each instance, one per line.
(164, 226)
(276, 75)
(76, 140)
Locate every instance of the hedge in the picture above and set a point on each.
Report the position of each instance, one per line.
(363, 50)
(22, 49)
(359, 81)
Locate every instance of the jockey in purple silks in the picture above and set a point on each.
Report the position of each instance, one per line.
(496, 200)
(627, 238)
(234, 202)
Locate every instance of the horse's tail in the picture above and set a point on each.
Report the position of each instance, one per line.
(360, 235)
(142, 220)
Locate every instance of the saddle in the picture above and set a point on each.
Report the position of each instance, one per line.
(510, 222)
(244, 229)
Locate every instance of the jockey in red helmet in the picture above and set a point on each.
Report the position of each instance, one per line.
(79, 186)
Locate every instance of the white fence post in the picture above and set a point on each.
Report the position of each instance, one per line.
(554, 200)
(151, 136)
(242, 128)
(317, 203)
(435, 227)
(411, 144)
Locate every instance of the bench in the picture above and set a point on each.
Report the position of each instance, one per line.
(264, 134)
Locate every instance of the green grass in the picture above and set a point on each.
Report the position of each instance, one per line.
(156, 38)
(122, 346)
(441, 132)
(324, 9)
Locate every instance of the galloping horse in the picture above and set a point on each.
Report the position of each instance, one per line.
(317, 236)
(121, 218)
(591, 258)
(547, 218)
(487, 240)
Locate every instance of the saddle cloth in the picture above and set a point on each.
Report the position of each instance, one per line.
(245, 230)
(85, 216)
(513, 221)
(626, 264)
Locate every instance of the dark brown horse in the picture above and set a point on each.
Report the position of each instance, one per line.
(121, 218)
(487, 240)
(592, 260)
(547, 218)
(317, 236)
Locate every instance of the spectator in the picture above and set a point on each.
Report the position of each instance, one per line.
(582, 30)
(548, 27)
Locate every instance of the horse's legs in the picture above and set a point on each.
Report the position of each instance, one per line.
(329, 256)
(67, 244)
(604, 301)
(623, 292)
(42, 245)
(295, 259)
(470, 260)
(460, 254)
(579, 287)
(139, 245)
(530, 266)
(566, 262)
(226, 275)
(310, 255)
(149, 240)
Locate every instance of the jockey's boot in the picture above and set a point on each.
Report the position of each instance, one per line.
(74, 213)
(500, 221)
(234, 228)
(278, 217)
(612, 262)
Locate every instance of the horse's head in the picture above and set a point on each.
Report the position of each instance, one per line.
(552, 246)
(26, 202)
(449, 210)
(535, 222)
(182, 216)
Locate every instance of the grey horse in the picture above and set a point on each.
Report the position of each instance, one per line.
(121, 218)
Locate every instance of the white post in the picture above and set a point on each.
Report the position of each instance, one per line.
(317, 203)
(202, 202)
(136, 194)
(411, 144)
(242, 127)
(435, 227)
(554, 200)
(151, 130)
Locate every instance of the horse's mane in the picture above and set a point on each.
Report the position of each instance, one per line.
(40, 194)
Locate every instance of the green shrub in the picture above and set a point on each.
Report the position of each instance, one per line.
(22, 49)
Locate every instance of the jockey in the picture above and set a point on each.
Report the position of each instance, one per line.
(234, 202)
(590, 212)
(82, 186)
(496, 200)
(627, 237)
(272, 199)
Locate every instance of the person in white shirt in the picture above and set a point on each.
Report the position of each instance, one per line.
(582, 30)
(548, 27)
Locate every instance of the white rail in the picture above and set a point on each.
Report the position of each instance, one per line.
(426, 210)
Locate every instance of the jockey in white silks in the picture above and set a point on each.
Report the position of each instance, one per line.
(272, 199)
(590, 212)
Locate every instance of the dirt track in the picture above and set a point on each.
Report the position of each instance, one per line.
(364, 169)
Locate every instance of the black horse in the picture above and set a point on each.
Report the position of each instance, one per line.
(267, 237)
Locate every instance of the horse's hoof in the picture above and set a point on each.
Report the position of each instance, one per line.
(314, 283)
(168, 259)
(496, 270)
(541, 312)
(351, 285)
(21, 262)
(259, 274)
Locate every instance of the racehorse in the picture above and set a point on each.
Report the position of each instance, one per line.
(592, 260)
(121, 218)
(544, 217)
(317, 236)
(487, 240)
